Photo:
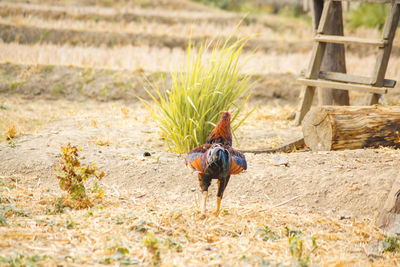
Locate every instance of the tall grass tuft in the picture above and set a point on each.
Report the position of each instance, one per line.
(188, 111)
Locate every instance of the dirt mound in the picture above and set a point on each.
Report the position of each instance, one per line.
(56, 82)
(33, 35)
(124, 15)
(161, 4)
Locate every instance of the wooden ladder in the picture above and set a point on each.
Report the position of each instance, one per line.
(376, 85)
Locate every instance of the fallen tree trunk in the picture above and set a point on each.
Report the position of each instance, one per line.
(350, 127)
(389, 218)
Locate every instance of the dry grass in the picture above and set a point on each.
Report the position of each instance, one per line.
(71, 6)
(190, 15)
(178, 29)
(24, 115)
(29, 116)
(268, 126)
(164, 59)
(276, 114)
(115, 232)
(101, 141)
(11, 131)
(119, 4)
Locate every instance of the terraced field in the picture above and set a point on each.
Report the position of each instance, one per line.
(72, 71)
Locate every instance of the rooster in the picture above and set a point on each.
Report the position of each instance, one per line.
(216, 160)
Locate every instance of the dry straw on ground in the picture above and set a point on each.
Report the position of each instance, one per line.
(202, 29)
(163, 59)
(115, 231)
(11, 131)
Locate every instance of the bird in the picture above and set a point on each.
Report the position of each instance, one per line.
(222, 132)
(216, 160)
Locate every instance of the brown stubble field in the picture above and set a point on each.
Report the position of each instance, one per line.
(71, 71)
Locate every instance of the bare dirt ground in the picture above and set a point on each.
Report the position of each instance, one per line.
(351, 183)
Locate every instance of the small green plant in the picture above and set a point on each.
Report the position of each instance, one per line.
(104, 90)
(152, 244)
(6, 184)
(9, 210)
(57, 89)
(72, 176)
(123, 218)
(4, 107)
(189, 111)
(232, 5)
(91, 211)
(12, 144)
(296, 240)
(3, 220)
(267, 234)
(18, 259)
(16, 84)
(69, 223)
(171, 244)
(59, 206)
(391, 243)
(48, 68)
(120, 254)
(98, 190)
(88, 75)
(143, 226)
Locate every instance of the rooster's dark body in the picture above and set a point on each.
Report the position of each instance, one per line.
(216, 160)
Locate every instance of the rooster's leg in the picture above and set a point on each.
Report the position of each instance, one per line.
(221, 188)
(222, 183)
(204, 184)
(218, 206)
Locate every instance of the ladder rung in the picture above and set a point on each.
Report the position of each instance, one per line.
(348, 78)
(343, 86)
(348, 40)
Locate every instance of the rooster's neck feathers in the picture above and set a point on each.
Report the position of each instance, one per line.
(222, 132)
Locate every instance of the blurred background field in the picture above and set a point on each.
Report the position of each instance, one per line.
(73, 71)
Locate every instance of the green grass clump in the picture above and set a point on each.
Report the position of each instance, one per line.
(370, 15)
(297, 241)
(152, 244)
(18, 259)
(232, 5)
(189, 111)
(267, 234)
(391, 243)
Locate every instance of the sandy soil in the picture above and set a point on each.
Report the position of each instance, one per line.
(115, 136)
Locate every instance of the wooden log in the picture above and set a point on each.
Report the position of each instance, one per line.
(389, 217)
(350, 127)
